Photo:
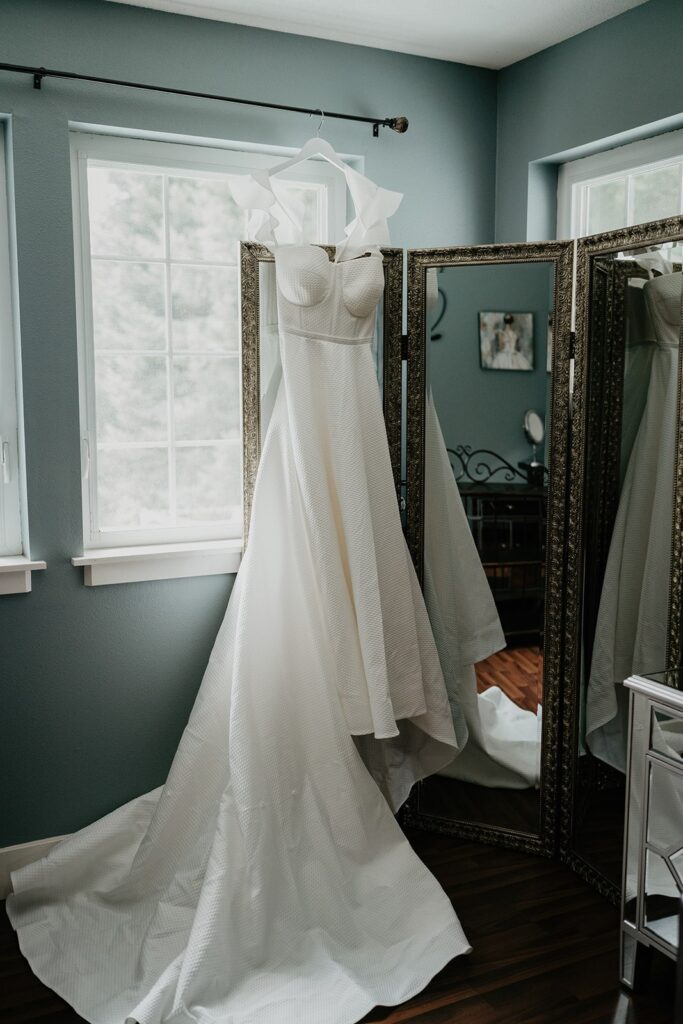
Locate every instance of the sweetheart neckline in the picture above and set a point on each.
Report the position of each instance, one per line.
(331, 281)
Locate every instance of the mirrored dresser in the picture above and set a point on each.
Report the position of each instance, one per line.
(653, 852)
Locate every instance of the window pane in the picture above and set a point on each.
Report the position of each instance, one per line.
(204, 305)
(131, 398)
(205, 222)
(208, 484)
(206, 398)
(607, 206)
(126, 213)
(163, 394)
(132, 488)
(656, 194)
(129, 306)
(303, 202)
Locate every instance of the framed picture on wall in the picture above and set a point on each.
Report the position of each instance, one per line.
(506, 341)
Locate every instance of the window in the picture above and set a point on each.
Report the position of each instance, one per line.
(628, 185)
(10, 476)
(158, 232)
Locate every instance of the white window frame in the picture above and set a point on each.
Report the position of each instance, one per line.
(143, 555)
(634, 158)
(15, 565)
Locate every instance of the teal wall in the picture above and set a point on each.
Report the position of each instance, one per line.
(96, 683)
(614, 80)
(465, 395)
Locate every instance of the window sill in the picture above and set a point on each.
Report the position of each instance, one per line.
(159, 562)
(15, 573)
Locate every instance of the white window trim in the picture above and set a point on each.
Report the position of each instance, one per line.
(15, 573)
(10, 508)
(131, 558)
(645, 155)
(15, 564)
(159, 562)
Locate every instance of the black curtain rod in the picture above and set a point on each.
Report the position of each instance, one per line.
(398, 124)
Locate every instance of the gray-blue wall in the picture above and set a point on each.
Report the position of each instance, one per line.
(485, 408)
(96, 683)
(614, 80)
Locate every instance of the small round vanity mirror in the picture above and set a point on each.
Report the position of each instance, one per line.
(533, 427)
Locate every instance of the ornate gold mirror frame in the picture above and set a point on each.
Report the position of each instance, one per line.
(560, 255)
(252, 256)
(597, 410)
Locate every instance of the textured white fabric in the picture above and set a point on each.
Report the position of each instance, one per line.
(273, 221)
(503, 750)
(632, 624)
(267, 881)
(499, 741)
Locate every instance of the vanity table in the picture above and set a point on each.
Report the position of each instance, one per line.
(653, 849)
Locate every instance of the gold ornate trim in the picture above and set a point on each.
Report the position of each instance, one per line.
(589, 249)
(251, 256)
(560, 254)
(392, 372)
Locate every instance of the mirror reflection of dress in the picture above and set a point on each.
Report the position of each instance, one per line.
(268, 881)
(499, 741)
(632, 623)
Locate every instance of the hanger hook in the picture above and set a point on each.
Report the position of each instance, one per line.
(322, 121)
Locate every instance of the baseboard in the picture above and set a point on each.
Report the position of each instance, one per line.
(13, 857)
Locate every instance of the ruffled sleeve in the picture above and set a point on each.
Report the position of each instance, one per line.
(253, 193)
(270, 216)
(374, 205)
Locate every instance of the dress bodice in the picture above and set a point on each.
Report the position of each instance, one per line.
(663, 300)
(318, 298)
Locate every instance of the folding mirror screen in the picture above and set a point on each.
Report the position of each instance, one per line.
(542, 468)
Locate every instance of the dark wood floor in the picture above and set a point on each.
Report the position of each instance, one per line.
(545, 952)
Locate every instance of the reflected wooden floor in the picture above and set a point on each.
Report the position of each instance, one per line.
(545, 952)
(518, 671)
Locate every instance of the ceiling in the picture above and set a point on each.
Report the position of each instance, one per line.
(488, 33)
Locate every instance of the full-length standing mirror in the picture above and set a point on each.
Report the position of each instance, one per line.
(487, 436)
(624, 601)
(261, 367)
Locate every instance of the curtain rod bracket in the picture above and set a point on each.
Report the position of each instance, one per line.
(38, 77)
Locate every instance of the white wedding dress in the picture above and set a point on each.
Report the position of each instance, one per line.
(267, 881)
(632, 625)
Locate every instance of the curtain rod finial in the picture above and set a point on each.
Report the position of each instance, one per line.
(397, 124)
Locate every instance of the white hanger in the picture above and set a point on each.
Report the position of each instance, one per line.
(314, 147)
